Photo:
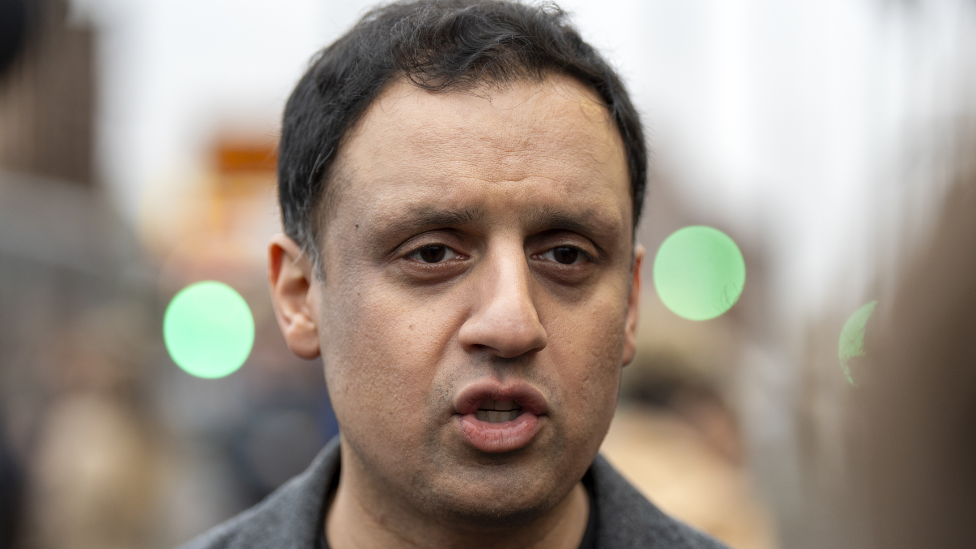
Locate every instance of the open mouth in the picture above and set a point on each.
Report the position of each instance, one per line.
(498, 411)
(499, 417)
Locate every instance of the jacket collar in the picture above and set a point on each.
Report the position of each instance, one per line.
(293, 515)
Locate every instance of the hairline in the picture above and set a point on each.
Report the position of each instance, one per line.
(337, 177)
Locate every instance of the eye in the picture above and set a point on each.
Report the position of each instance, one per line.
(434, 253)
(565, 255)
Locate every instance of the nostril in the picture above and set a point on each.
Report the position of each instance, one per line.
(504, 319)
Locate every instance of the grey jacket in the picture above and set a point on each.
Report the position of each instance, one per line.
(292, 517)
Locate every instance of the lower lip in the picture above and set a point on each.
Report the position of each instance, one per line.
(499, 437)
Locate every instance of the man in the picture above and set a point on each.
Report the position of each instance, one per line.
(460, 182)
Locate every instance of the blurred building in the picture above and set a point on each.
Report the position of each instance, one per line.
(72, 375)
(47, 97)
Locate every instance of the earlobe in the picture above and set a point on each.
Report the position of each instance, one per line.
(633, 307)
(291, 278)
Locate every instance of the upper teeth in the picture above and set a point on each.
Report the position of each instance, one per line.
(493, 416)
(498, 411)
(500, 405)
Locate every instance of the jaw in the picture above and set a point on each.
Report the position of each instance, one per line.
(462, 484)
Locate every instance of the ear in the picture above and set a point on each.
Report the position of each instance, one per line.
(293, 293)
(633, 307)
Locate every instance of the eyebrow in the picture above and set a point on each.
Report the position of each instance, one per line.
(586, 222)
(418, 218)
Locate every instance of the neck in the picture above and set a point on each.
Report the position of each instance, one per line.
(359, 518)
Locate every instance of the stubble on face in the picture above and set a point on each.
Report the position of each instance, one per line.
(500, 178)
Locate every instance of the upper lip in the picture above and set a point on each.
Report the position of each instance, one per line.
(524, 394)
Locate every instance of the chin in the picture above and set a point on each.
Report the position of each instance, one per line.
(498, 514)
(514, 499)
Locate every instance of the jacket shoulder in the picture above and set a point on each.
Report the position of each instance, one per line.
(628, 520)
(234, 533)
(289, 517)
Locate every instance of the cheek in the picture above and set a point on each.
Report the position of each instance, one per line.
(598, 349)
(587, 356)
(380, 355)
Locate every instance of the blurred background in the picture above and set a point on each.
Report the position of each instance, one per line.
(832, 140)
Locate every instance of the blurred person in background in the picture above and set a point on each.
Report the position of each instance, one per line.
(12, 29)
(460, 183)
(919, 399)
(95, 480)
(11, 493)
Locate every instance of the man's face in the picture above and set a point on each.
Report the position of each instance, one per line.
(478, 248)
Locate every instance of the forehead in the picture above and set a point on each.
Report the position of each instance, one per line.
(527, 143)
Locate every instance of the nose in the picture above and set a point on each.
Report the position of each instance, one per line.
(504, 318)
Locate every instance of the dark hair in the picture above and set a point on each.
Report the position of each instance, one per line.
(439, 45)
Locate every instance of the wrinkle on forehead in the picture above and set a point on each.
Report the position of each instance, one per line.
(532, 128)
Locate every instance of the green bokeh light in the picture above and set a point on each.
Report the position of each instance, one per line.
(208, 329)
(699, 272)
(852, 338)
